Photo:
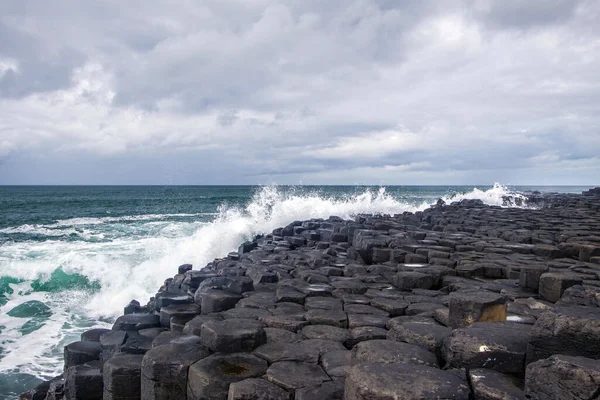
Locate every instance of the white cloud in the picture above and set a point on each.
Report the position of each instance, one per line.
(306, 89)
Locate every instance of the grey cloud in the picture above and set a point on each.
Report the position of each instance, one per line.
(525, 14)
(224, 91)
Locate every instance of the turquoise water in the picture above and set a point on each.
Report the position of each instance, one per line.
(72, 257)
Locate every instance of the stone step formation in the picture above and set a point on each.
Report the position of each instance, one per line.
(459, 301)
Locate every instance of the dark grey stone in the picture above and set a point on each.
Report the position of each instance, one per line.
(83, 382)
(292, 375)
(121, 376)
(563, 377)
(386, 351)
(233, 335)
(210, 378)
(77, 353)
(488, 384)
(573, 331)
(379, 381)
(256, 389)
(500, 346)
(165, 370)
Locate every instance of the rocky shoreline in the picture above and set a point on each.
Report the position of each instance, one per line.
(461, 301)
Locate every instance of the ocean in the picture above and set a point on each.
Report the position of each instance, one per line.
(71, 257)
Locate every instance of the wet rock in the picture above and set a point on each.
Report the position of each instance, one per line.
(256, 389)
(563, 377)
(210, 378)
(233, 335)
(412, 280)
(492, 385)
(275, 352)
(377, 381)
(110, 343)
(386, 351)
(529, 276)
(165, 299)
(468, 307)
(335, 362)
(553, 285)
(83, 382)
(121, 375)
(365, 333)
(500, 346)
(580, 296)
(135, 322)
(573, 331)
(427, 335)
(170, 337)
(292, 323)
(292, 375)
(275, 335)
(165, 370)
(77, 353)
(333, 390)
(213, 301)
(327, 317)
(93, 335)
(326, 332)
(393, 307)
(194, 326)
(136, 343)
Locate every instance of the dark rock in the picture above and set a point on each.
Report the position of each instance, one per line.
(292, 375)
(412, 280)
(275, 335)
(335, 362)
(121, 376)
(233, 335)
(275, 352)
(187, 311)
(333, 390)
(500, 346)
(93, 335)
(466, 308)
(563, 377)
(554, 284)
(530, 276)
(77, 353)
(83, 382)
(256, 389)
(488, 384)
(573, 331)
(326, 332)
(365, 333)
(135, 322)
(165, 370)
(164, 299)
(378, 381)
(327, 317)
(387, 351)
(183, 268)
(427, 335)
(170, 337)
(210, 378)
(133, 307)
(218, 300)
(194, 326)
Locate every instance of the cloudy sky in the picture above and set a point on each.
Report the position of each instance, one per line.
(300, 91)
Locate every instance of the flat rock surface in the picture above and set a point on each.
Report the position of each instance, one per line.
(377, 381)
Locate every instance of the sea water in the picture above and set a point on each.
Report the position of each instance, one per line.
(71, 257)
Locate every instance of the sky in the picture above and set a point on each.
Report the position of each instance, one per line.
(300, 92)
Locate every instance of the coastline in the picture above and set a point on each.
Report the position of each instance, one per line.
(312, 309)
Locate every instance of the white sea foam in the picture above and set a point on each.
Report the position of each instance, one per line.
(135, 263)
